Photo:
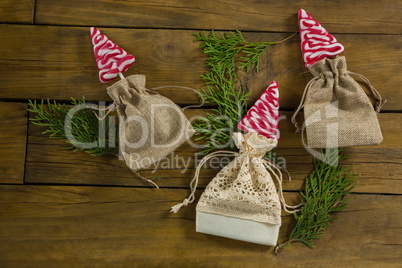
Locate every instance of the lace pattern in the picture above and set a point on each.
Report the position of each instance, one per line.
(244, 188)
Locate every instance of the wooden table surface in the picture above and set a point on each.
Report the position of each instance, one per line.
(64, 209)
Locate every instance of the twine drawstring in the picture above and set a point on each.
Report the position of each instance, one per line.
(380, 104)
(381, 101)
(278, 167)
(189, 88)
(109, 109)
(280, 190)
(194, 181)
(301, 105)
(145, 179)
(112, 107)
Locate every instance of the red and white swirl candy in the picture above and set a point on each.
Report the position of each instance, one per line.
(316, 42)
(263, 117)
(110, 59)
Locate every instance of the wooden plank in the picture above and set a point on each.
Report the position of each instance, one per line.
(342, 17)
(21, 11)
(13, 136)
(58, 63)
(68, 226)
(380, 166)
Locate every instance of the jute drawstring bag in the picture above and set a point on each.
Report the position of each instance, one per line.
(150, 126)
(241, 201)
(337, 111)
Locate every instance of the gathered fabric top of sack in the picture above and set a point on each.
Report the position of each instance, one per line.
(241, 202)
(150, 126)
(337, 111)
(244, 189)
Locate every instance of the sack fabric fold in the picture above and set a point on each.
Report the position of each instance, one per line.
(337, 111)
(150, 126)
(241, 202)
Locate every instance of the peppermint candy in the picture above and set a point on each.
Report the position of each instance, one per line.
(263, 117)
(110, 59)
(316, 42)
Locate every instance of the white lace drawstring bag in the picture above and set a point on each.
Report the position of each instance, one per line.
(241, 202)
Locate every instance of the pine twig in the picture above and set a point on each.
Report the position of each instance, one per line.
(231, 107)
(325, 190)
(326, 185)
(223, 50)
(220, 83)
(84, 126)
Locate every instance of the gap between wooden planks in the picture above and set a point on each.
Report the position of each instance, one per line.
(40, 62)
(380, 166)
(68, 226)
(344, 16)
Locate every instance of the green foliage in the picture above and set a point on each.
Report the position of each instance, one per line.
(223, 50)
(217, 127)
(155, 178)
(220, 80)
(326, 187)
(84, 126)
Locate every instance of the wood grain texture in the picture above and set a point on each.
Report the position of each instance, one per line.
(13, 136)
(21, 11)
(68, 226)
(57, 62)
(338, 17)
(380, 166)
(79, 211)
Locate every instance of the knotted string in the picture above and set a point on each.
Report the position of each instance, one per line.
(377, 95)
(194, 181)
(303, 99)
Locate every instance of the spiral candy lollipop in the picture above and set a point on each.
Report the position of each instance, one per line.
(263, 117)
(110, 59)
(316, 42)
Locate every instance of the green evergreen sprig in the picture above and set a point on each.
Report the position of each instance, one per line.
(223, 50)
(326, 186)
(84, 126)
(220, 80)
(217, 127)
(325, 190)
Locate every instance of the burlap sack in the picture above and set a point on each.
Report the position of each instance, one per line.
(241, 202)
(337, 111)
(150, 125)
